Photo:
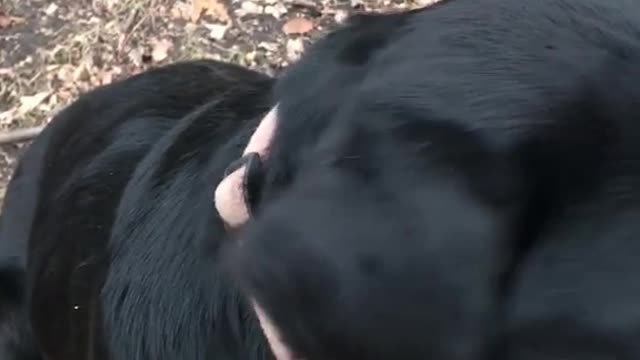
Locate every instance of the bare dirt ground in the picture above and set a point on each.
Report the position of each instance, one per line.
(53, 50)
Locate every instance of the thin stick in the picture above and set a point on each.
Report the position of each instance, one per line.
(20, 135)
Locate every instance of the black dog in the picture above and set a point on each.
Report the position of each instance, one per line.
(456, 183)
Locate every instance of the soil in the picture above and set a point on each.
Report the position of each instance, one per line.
(53, 50)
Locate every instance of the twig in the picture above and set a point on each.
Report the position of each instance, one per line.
(20, 135)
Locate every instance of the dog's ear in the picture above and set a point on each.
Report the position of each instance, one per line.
(252, 179)
(238, 195)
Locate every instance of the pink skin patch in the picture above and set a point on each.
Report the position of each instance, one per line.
(229, 198)
(230, 204)
(279, 349)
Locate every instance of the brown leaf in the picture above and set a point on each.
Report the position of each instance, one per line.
(65, 74)
(214, 8)
(181, 10)
(297, 25)
(7, 20)
(106, 78)
(161, 49)
(6, 117)
(81, 73)
(217, 31)
(28, 103)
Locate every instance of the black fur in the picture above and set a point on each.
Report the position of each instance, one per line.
(83, 294)
(435, 186)
(452, 183)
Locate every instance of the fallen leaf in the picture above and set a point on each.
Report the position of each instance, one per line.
(181, 10)
(65, 74)
(214, 8)
(297, 25)
(295, 48)
(276, 10)
(161, 49)
(250, 56)
(28, 103)
(190, 28)
(426, 2)
(81, 73)
(269, 46)
(249, 7)
(6, 117)
(217, 31)
(106, 78)
(341, 16)
(135, 56)
(7, 20)
(51, 9)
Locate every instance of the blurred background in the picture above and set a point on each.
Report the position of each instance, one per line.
(53, 50)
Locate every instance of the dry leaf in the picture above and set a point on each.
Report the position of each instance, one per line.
(298, 25)
(214, 8)
(217, 31)
(135, 56)
(7, 20)
(341, 16)
(65, 74)
(106, 78)
(65, 94)
(28, 103)
(181, 10)
(51, 9)
(250, 7)
(426, 2)
(269, 46)
(7, 117)
(276, 10)
(295, 48)
(81, 73)
(161, 49)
